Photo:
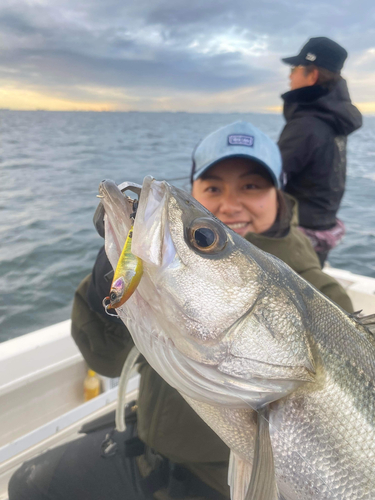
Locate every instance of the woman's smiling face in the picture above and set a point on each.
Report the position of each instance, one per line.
(237, 194)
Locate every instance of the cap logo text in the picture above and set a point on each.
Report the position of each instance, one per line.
(241, 140)
(310, 56)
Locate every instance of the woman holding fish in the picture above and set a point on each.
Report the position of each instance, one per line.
(170, 452)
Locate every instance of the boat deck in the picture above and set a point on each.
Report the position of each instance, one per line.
(41, 396)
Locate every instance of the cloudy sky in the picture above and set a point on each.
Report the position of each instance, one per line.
(177, 55)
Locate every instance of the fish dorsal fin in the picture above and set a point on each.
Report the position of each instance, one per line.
(367, 321)
(263, 480)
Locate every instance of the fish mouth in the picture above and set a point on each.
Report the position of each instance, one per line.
(116, 209)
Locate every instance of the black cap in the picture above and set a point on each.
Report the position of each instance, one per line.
(322, 52)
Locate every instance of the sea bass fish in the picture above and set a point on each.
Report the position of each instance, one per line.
(283, 375)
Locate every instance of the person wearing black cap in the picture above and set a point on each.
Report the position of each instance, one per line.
(319, 116)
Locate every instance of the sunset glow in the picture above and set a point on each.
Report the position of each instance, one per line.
(157, 56)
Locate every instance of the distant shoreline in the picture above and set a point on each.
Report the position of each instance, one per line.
(133, 111)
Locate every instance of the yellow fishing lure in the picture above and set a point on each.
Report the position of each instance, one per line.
(127, 276)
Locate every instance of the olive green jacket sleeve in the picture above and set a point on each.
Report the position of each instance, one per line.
(296, 250)
(103, 343)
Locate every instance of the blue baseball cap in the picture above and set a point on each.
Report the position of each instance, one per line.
(237, 140)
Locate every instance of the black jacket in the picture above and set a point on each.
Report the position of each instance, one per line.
(313, 148)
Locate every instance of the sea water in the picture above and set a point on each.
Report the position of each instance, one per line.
(51, 164)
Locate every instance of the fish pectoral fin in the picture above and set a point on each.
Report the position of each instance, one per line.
(239, 474)
(263, 480)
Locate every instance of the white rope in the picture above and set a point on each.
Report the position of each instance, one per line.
(129, 364)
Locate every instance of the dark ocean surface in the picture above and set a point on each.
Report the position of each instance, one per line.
(51, 164)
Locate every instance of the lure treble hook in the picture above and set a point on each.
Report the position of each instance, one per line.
(107, 305)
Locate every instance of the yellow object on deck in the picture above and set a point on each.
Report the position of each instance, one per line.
(91, 386)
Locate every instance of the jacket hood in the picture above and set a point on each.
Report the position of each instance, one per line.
(333, 107)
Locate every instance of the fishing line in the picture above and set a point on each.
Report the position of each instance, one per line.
(185, 178)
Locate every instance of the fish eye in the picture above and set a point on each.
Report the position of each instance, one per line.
(206, 236)
(113, 296)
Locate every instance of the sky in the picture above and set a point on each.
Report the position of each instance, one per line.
(173, 55)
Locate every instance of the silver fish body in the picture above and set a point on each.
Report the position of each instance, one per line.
(235, 330)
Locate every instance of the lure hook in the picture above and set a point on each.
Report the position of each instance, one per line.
(107, 305)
